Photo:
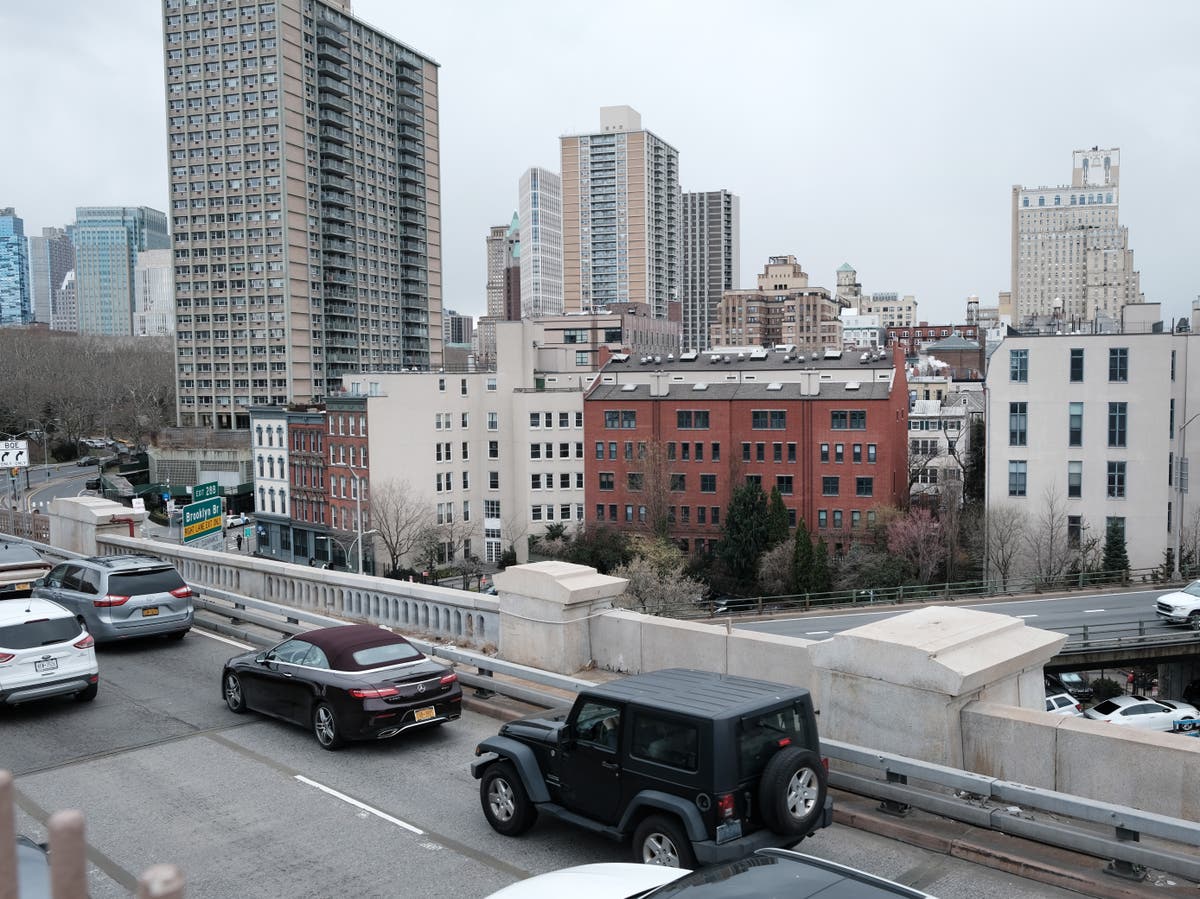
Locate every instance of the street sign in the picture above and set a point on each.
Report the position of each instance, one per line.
(201, 519)
(139, 504)
(205, 491)
(14, 453)
(248, 532)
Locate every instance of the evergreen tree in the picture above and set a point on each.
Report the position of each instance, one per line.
(777, 519)
(822, 575)
(1116, 559)
(744, 535)
(974, 471)
(802, 560)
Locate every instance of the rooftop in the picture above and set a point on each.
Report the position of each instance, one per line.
(784, 356)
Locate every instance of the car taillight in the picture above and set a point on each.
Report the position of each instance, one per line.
(373, 692)
(86, 643)
(182, 592)
(110, 600)
(1079, 706)
(786, 741)
(725, 805)
(6, 657)
(449, 678)
(825, 763)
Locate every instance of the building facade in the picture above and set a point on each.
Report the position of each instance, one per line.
(51, 256)
(540, 212)
(861, 331)
(782, 310)
(894, 311)
(584, 342)
(710, 262)
(349, 482)
(108, 240)
(1095, 426)
(456, 328)
(306, 210)
(675, 438)
(15, 305)
(621, 216)
(1070, 254)
(64, 314)
(154, 294)
(914, 339)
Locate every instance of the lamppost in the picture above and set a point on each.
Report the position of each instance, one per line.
(332, 539)
(347, 553)
(1181, 488)
(41, 429)
(358, 540)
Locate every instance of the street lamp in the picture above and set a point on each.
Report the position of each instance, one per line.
(1181, 476)
(357, 541)
(41, 428)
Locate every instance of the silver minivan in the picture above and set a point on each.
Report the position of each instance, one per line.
(117, 597)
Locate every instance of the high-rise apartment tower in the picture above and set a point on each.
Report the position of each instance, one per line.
(621, 216)
(710, 262)
(539, 211)
(108, 240)
(51, 256)
(306, 208)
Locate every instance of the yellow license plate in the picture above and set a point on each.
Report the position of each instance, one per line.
(424, 714)
(149, 610)
(22, 586)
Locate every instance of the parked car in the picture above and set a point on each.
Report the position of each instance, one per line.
(87, 460)
(632, 757)
(1142, 713)
(1076, 684)
(237, 520)
(769, 872)
(33, 869)
(1181, 607)
(20, 567)
(121, 596)
(354, 682)
(92, 484)
(44, 652)
(1064, 704)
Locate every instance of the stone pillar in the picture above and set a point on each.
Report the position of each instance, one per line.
(76, 520)
(901, 684)
(545, 608)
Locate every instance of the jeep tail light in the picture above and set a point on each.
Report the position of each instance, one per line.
(373, 692)
(6, 657)
(725, 805)
(86, 643)
(111, 600)
(825, 763)
(785, 741)
(182, 592)
(449, 678)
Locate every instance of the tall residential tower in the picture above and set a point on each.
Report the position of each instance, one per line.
(306, 204)
(710, 263)
(108, 240)
(539, 210)
(51, 256)
(621, 216)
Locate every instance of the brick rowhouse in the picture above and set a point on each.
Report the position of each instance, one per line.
(830, 429)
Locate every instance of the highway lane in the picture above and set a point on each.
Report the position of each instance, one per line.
(252, 807)
(1066, 614)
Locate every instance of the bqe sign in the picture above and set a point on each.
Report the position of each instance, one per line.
(201, 519)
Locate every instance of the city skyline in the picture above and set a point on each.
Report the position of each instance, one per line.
(902, 166)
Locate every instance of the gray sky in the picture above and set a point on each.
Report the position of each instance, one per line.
(884, 134)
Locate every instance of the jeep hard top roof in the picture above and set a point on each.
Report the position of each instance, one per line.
(701, 693)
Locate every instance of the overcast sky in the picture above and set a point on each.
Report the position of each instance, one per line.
(887, 135)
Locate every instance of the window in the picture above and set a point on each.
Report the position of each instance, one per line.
(599, 449)
(671, 451)
(612, 419)
(824, 452)
(1077, 365)
(784, 483)
(463, 388)
(612, 450)
(666, 742)
(1074, 530)
(777, 452)
(634, 480)
(768, 420)
(856, 453)
(628, 420)
(714, 514)
(1017, 472)
(607, 480)
(699, 454)
(1117, 523)
(716, 452)
(678, 483)
(829, 486)
(535, 419)
(535, 451)
(1075, 425)
(1117, 420)
(685, 452)
(701, 514)
(871, 453)
(864, 486)
(491, 383)
(493, 480)
(837, 518)
(535, 482)
(1116, 480)
(493, 449)
(708, 483)
(839, 452)
(1118, 364)
(791, 452)
(491, 508)
(1018, 365)
(1074, 480)
(691, 419)
(745, 452)
(1017, 423)
(493, 421)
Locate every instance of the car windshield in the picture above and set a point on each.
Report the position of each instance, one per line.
(139, 583)
(387, 654)
(30, 634)
(19, 553)
(1106, 708)
(1192, 589)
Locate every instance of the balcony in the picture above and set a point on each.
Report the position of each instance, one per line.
(335, 214)
(327, 32)
(336, 150)
(327, 115)
(333, 133)
(330, 164)
(327, 51)
(337, 230)
(332, 70)
(409, 74)
(334, 86)
(333, 101)
(336, 198)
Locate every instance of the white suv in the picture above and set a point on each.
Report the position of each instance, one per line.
(44, 651)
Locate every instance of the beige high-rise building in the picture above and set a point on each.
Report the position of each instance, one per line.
(711, 260)
(894, 311)
(306, 210)
(620, 216)
(782, 310)
(1070, 255)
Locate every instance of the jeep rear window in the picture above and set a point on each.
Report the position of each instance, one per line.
(666, 741)
(763, 735)
(30, 634)
(139, 583)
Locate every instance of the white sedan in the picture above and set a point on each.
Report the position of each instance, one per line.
(1143, 713)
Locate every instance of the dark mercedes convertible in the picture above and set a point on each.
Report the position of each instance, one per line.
(356, 682)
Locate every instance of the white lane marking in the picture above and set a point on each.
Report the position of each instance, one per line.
(1092, 611)
(238, 643)
(815, 633)
(1027, 616)
(360, 805)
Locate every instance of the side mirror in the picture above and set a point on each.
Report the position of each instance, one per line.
(262, 658)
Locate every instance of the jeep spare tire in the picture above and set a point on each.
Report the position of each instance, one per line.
(791, 794)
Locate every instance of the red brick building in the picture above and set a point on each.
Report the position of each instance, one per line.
(914, 339)
(347, 474)
(830, 432)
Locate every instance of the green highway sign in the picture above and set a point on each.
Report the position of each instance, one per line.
(201, 519)
(205, 491)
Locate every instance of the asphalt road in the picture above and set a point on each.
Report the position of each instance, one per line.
(252, 807)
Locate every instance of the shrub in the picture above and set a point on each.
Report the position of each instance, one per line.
(1105, 688)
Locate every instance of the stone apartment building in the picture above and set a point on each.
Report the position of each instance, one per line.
(783, 309)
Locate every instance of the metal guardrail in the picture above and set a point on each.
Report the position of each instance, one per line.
(1125, 634)
(976, 799)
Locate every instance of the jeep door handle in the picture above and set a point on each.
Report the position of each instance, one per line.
(611, 766)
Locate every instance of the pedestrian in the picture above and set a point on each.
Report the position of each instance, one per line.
(239, 542)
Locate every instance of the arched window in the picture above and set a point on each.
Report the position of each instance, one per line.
(1025, 201)
(1108, 199)
(260, 466)
(1041, 201)
(271, 465)
(279, 434)
(283, 501)
(262, 499)
(282, 470)
(258, 435)
(1057, 200)
(272, 492)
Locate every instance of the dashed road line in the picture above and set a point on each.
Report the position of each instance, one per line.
(360, 805)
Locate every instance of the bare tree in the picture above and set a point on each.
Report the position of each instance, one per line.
(402, 517)
(921, 456)
(655, 486)
(1005, 527)
(1049, 551)
(918, 538)
(655, 591)
(775, 569)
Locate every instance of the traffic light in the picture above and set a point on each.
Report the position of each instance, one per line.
(14, 471)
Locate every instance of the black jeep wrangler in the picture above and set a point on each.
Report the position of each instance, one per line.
(693, 766)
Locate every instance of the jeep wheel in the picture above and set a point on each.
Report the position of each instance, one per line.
(660, 840)
(505, 803)
(792, 792)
